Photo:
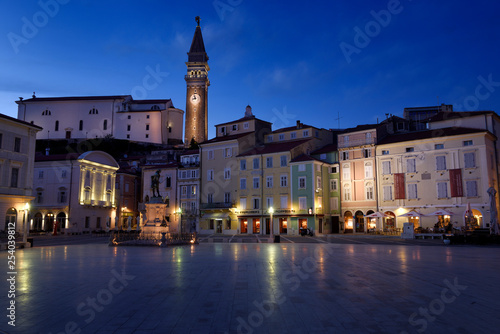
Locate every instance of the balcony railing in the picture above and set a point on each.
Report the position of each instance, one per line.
(217, 205)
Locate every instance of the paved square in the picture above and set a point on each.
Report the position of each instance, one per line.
(254, 288)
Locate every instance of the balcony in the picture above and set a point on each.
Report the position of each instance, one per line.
(217, 205)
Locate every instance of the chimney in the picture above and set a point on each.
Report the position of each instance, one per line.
(298, 124)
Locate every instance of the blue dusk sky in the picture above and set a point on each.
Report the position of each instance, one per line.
(307, 60)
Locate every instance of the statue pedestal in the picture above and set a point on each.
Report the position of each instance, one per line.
(156, 211)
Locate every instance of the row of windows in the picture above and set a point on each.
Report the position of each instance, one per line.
(269, 162)
(93, 111)
(62, 196)
(234, 127)
(293, 135)
(441, 165)
(436, 147)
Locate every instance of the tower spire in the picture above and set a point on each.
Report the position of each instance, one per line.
(197, 51)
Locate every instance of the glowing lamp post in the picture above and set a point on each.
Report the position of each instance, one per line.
(271, 211)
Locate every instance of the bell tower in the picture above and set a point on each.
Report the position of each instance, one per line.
(196, 90)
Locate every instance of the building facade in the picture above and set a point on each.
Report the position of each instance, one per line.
(17, 153)
(188, 190)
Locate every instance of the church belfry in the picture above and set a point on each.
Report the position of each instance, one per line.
(197, 90)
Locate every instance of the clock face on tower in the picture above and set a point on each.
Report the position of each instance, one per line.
(195, 98)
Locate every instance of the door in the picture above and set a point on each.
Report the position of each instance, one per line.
(268, 225)
(68, 134)
(219, 225)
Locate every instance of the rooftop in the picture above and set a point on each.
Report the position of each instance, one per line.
(437, 133)
(274, 147)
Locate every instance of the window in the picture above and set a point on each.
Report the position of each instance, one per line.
(412, 191)
(243, 164)
(302, 182)
(228, 152)
(256, 163)
(227, 173)
(411, 166)
(168, 182)
(243, 183)
(468, 143)
(386, 167)
(270, 138)
(129, 117)
(87, 222)
(105, 125)
(469, 160)
(269, 162)
(345, 155)
(222, 129)
(235, 127)
(367, 153)
(269, 181)
(302, 203)
(210, 155)
(147, 127)
(269, 202)
(284, 181)
(441, 162)
(128, 127)
(347, 192)
(318, 182)
(147, 135)
(302, 168)
(305, 133)
(80, 125)
(322, 156)
(128, 136)
(387, 193)
(243, 203)
(410, 149)
(256, 182)
(369, 191)
(14, 175)
(281, 136)
(210, 175)
(334, 203)
(333, 170)
(246, 125)
(39, 197)
(438, 146)
(17, 144)
(283, 161)
(333, 185)
(93, 111)
(40, 174)
(346, 139)
(346, 172)
(227, 197)
(471, 188)
(56, 126)
(210, 198)
(63, 173)
(61, 196)
(46, 112)
(293, 135)
(442, 190)
(256, 203)
(368, 170)
(283, 202)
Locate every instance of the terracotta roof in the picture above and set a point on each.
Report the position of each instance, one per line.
(225, 138)
(304, 157)
(74, 98)
(246, 118)
(274, 147)
(437, 133)
(362, 127)
(326, 149)
(292, 128)
(12, 119)
(458, 114)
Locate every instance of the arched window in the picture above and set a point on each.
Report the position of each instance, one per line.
(37, 222)
(369, 190)
(347, 192)
(10, 219)
(93, 111)
(105, 125)
(56, 127)
(61, 220)
(46, 112)
(155, 107)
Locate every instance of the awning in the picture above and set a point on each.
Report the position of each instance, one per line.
(216, 215)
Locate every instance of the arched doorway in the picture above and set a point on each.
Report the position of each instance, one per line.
(360, 222)
(49, 222)
(10, 219)
(61, 221)
(389, 222)
(348, 222)
(371, 223)
(37, 222)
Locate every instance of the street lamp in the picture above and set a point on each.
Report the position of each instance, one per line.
(271, 211)
(179, 212)
(26, 222)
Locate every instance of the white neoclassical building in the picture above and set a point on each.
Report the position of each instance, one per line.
(119, 116)
(74, 193)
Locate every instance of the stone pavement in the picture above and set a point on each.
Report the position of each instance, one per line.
(254, 288)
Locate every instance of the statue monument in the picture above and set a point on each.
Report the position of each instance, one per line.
(156, 209)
